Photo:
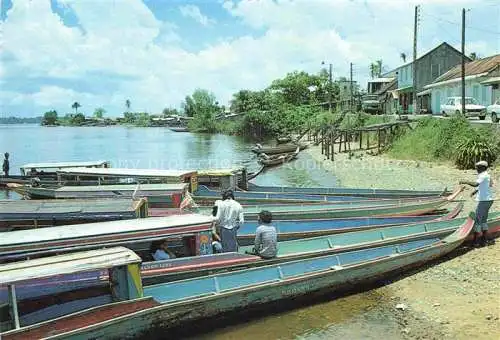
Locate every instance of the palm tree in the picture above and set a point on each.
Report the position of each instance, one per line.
(75, 106)
(127, 104)
(373, 70)
(403, 56)
(379, 67)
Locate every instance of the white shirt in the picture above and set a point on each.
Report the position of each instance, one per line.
(485, 188)
(229, 214)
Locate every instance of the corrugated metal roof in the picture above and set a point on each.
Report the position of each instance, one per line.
(125, 172)
(67, 264)
(388, 86)
(102, 229)
(40, 207)
(60, 165)
(471, 68)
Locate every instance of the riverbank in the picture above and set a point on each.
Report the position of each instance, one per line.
(455, 299)
(362, 170)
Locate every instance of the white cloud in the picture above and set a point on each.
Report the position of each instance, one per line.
(193, 12)
(125, 39)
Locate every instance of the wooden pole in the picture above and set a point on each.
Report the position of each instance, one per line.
(415, 30)
(367, 140)
(463, 61)
(13, 305)
(332, 149)
(360, 140)
(378, 132)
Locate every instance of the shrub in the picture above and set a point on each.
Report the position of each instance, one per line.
(471, 150)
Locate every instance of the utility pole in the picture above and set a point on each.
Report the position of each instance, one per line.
(330, 80)
(351, 102)
(463, 61)
(415, 29)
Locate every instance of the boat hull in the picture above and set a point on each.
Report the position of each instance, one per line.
(205, 195)
(190, 300)
(301, 212)
(379, 193)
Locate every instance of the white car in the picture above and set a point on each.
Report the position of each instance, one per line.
(453, 105)
(494, 111)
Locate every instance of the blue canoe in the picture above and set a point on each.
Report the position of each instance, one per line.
(296, 229)
(171, 304)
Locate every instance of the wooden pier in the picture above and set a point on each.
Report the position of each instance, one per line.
(370, 137)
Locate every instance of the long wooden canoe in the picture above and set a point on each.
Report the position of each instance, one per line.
(172, 304)
(207, 195)
(183, 268)
(283, 148)
(373, 193)
(188, 267)
(348, 209)
(27, 214)
(300, 229)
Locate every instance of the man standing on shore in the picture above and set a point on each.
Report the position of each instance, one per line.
(484, 198)
(6, 165)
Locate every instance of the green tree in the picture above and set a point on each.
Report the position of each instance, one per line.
(129, 117)
(75, 106)
(203, 106)
(99, 113)
(403, 56)
(170, 112)
(474, 56)
(298, 88)
(142, 119)
(50, 118)
(127, 104)
(376, 68)
(77, 119)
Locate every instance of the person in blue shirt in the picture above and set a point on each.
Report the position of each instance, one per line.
(160, 251)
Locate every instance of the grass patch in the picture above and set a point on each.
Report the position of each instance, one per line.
(451, 140)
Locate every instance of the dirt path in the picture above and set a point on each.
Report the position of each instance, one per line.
(455, 299)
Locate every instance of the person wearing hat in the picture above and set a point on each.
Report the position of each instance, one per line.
(484, 198)
(229, 218)
(6, 165)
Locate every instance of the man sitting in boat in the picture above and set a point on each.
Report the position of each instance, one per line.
(484, 198)
(229, 218)
(266, 238)
(160, 251)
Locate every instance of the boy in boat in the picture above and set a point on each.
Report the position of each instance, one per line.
(484, 198)
(6, 165)
(266, 238)
(229, 218)
(160, 251)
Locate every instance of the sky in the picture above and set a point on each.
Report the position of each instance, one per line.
(155, 52)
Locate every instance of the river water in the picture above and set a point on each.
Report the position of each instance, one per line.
(358, 316)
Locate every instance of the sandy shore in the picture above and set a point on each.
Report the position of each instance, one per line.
(455, 299)
(366, 171)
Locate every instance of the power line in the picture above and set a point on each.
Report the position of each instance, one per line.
(459, 24)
